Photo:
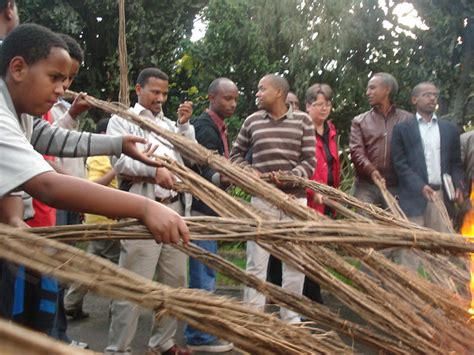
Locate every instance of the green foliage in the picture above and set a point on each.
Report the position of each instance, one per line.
(337, 42)
(154, 29)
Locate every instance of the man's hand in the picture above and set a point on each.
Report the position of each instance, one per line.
(185, 111)
(79, 105)
(164, 223)
(129, 148)
(459, 196)
(274, 179)
(428, 193)
(318, 198)
(224, 180)
(164, 178)
(376, 176)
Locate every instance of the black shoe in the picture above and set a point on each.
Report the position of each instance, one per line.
(76, 314)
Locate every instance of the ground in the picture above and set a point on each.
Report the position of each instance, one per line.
(94, 330)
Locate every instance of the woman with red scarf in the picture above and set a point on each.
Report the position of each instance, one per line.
(319, 107)
(328, 168)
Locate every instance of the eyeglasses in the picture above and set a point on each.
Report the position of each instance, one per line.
(430, 94)
(322, 104)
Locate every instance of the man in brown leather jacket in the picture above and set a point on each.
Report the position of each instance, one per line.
(370, 139)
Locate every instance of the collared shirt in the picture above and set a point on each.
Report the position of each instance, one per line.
(283, 144)
(219, 122)
(130, 167)
(165, 148)
(430, 137)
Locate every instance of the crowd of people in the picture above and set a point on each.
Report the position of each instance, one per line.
(418, 156)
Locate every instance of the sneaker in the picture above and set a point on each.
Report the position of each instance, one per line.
(76, 314)
(79, 344)
(217, 346)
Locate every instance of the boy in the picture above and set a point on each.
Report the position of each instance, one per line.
(33, 65)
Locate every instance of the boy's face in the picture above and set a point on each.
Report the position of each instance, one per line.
(38, 86)
(75, 65)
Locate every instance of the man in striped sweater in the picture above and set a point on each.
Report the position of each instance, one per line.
(279, 140)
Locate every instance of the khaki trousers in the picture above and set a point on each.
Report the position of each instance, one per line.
(144, 257)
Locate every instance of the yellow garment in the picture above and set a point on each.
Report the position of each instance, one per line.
(96, 168)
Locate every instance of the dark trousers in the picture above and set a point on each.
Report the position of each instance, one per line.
(311, 289)
(27, 298)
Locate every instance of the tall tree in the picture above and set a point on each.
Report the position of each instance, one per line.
(338, 42)
(154, 30)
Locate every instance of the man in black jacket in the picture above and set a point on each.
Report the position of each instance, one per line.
(211, 132)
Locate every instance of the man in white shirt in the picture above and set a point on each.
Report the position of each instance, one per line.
(424, 148)
(144, 256)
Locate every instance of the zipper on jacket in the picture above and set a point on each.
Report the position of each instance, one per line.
(385, 144)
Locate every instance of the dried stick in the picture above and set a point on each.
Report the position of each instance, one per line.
(443, 213)
(249, 330)
(329, 233)
(286, 203)
(124, 96)
(15, 339)
(392, 203)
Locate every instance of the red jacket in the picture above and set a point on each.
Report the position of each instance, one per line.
(321, 171)
(45, 216)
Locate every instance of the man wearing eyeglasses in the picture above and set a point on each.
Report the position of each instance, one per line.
(424, 149)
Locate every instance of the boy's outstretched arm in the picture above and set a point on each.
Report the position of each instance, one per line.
(64, 143)
(74, 194)
(11, 211)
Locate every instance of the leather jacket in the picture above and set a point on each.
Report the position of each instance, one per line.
(370, 140)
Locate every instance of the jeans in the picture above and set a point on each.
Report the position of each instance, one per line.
(204, 278)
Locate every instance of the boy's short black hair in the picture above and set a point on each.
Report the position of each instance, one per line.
(101, 126)
(75, 50)
(4, 3)
(31, 42)
(147, 73)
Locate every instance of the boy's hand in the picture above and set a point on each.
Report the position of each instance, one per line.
(185, 111)
(129, 148)
(79, 105)
(165, 224)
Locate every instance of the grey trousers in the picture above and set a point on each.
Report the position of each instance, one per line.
(431, 218)
(144, 257)
(257, 263)
(367, 192)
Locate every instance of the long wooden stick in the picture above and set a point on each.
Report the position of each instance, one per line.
(250, 330)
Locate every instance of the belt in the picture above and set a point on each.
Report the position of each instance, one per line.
(167, 200)
(435, 187)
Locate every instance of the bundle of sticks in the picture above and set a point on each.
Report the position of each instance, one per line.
(15, 339)
(250, 330)
(421, 316)
(227, 229)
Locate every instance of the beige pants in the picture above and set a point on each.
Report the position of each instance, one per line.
(144, 257)
(257, 263)
(431, 218)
